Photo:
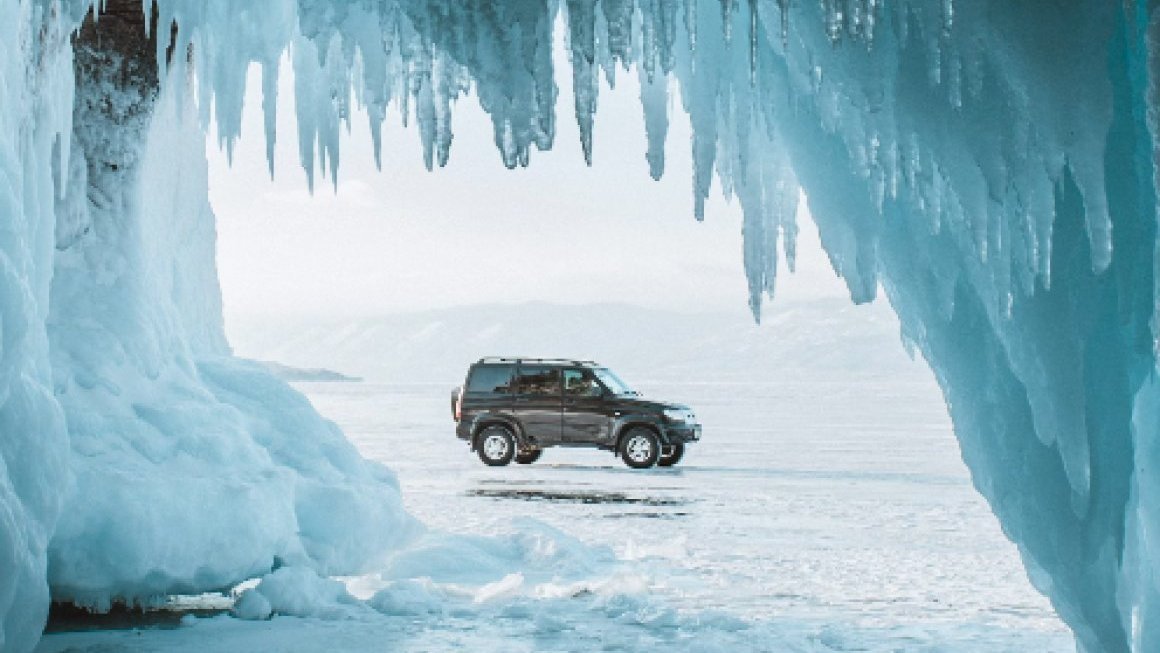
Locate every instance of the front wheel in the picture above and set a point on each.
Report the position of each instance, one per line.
(641, 448)
(671, 455)
(496, 446)
(528, 456)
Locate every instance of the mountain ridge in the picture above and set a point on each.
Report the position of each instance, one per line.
(826, 337)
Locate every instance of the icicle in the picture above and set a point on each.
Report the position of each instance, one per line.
(727, 19)
(654, 98)
(1152, 102)
(581, 23)
(784, 6)
(618, 17)
(753, 19)
(691, 23)
(270, 109)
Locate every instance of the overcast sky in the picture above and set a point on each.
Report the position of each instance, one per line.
(406, 239)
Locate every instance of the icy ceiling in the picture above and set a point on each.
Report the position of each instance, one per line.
(990, 164)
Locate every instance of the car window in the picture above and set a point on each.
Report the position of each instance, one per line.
(613, 382)
(491, 378)
(538, 380)
(581, 383)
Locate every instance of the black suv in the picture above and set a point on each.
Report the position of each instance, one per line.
(514, 408)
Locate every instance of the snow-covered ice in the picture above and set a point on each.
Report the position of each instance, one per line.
(780, 532)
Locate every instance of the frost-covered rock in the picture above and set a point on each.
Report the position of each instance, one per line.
(193, 470)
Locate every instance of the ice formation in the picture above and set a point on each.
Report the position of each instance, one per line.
(990, 164)
(138, 457)
(35, 117)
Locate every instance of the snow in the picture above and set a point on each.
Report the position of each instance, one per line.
(296, 592)
(849, 533)
(988, 164)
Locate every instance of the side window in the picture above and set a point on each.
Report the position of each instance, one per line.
(580, 383)
(538, 380)
(491, 378)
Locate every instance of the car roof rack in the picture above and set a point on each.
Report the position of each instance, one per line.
(542, 361)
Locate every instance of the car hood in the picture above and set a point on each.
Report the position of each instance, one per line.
(649, 405)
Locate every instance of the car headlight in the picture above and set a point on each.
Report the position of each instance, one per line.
(679, 415)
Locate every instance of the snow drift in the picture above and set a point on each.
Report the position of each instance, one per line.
(990, 164)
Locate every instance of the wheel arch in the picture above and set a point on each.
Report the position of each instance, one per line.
(635, 421)
(494, 420)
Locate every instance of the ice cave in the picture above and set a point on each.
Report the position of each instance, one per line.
(991, 165)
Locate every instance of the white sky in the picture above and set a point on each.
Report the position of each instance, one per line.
(405, 239)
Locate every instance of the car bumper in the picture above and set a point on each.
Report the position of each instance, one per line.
(463, 430)
(683, 433)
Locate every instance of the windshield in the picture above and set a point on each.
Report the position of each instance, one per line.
(613, 382)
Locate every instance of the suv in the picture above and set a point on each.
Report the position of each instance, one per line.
(514, 408)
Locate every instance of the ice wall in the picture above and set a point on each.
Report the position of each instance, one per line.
(35, 114)
(192, 470)
(989, 164)
(137, 457)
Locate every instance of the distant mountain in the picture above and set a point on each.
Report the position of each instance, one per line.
(818, 338)
(288, 373)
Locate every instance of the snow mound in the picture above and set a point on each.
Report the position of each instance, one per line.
(295, 592)
(518, 604)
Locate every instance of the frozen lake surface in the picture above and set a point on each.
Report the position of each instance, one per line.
(839, 501)
(815, 515)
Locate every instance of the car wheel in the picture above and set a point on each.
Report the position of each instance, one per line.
(529, 456)
(671, 455)
(496, 446)
(640, 448)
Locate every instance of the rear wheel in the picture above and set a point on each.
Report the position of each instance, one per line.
(671, 455)
(496, 446)
(640, 448)
(528, 456)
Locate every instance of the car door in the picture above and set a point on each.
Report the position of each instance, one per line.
(585, 412)
(537, 402)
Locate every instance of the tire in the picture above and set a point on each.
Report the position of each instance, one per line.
(496, 446)
(674, 455)
(640, 448)
(528, 457)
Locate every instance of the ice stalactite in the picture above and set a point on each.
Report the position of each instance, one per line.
(996, 256)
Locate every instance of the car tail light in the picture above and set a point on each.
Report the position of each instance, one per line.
(459, 405)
